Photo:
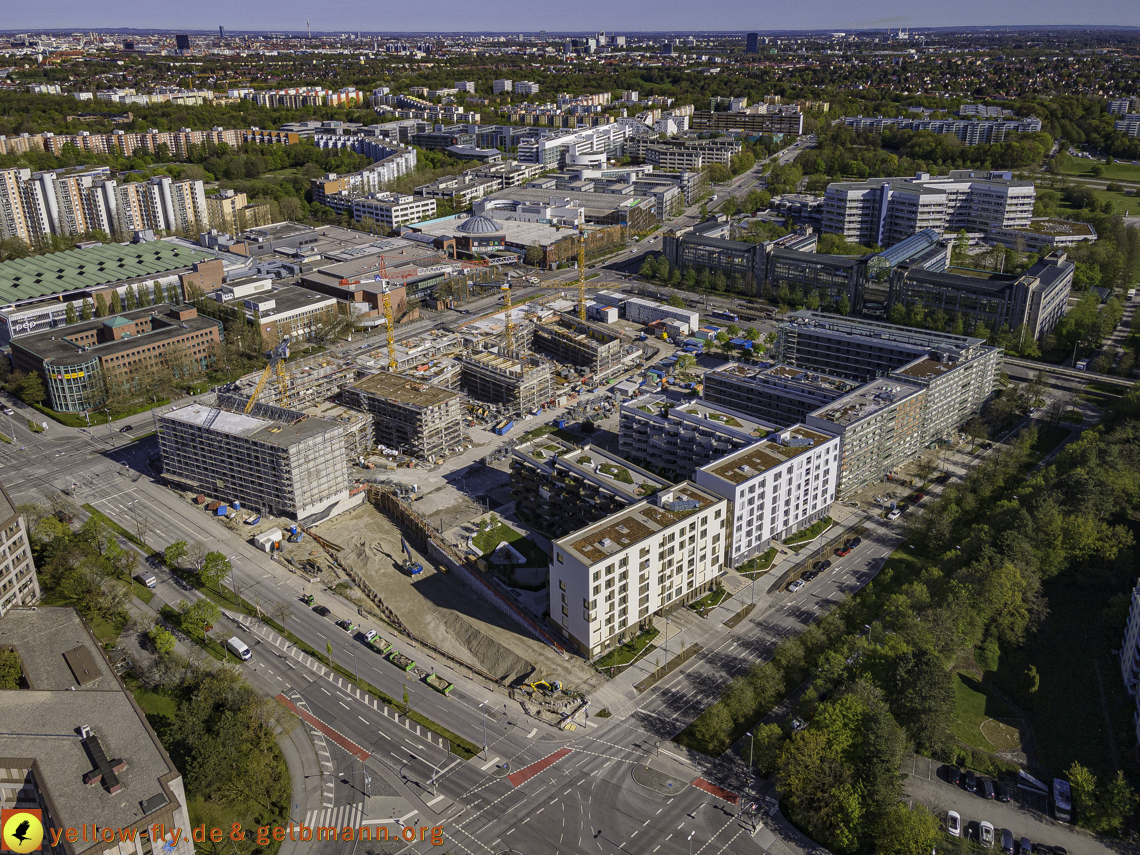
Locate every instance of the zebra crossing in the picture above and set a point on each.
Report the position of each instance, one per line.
(337, 817)
(323, 755)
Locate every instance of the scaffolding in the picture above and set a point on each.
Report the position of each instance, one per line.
(580, 343)
(417, 418)
(503, 380)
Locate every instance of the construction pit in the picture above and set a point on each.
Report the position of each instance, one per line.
(442, 610)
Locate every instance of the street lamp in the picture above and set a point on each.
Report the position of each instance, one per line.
(367, 780)
(691, 833)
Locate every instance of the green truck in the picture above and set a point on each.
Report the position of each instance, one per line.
(401, 661)
(439, 684)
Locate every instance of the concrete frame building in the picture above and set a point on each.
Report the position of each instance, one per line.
(679, 437)
(280, 311)
(567, 487)
(776, 487)
(419, 419)
(608, 579)
(503, 380)
(76, 745)
(587, 345)
(229, 211)
(880, 428)
(19, 584)
(884, 211)
(955, 390)
(757, 120)
(585, 147)
(272, 460)
(780, 394)
(975, 131)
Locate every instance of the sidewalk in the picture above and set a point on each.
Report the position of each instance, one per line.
(305, 775)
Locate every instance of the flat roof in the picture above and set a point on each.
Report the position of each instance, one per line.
(603, 201)
(229, 419)
(630, 526)
(788, 374)
(288, 298)
(926, 368)
(77, 269)
(757, 459)
(404, 390)
(44, 636)
(52, 344)
(594, 463)
(866, 401)
(1058, 228)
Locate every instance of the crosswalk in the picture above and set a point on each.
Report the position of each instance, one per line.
(337, 817)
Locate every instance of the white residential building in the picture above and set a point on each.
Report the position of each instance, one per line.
(465, 86)
(609, 579)
(393, 209)
(885, 211)
(525, 87)
(500, 86)
(638, 310)
(776, 486)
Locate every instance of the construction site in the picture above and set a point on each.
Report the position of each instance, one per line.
(499, 379)
(588, 346)
(418, 418)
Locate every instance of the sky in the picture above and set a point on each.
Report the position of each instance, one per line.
(563, 16)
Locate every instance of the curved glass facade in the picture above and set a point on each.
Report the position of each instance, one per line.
(76, 387)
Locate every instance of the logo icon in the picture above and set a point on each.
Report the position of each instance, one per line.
(21, 830)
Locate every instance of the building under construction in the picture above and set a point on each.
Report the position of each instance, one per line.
(417, 418)
(308, 381)
(580, 343)
(272, 460)
(503, 380)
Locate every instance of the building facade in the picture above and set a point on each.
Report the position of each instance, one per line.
(417, 418)
(884, 211)
(609, 579)
(272, 460)
(775, 487)
(778, 394)
(19, 584)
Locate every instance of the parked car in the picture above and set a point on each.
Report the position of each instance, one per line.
(954, 775)
(824, 565)
(895, 514)
(796, 586)
(322, 611)
(986, 835)
(856, 542)
(1025, 847)
(126, 428)
(346, 625)
(1003, 793)
(971, 781)
(987, 791)
(1007, 841)
(953, 824)
(843, 552)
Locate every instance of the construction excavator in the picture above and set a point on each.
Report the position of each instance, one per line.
(276, 366)
(550, 686)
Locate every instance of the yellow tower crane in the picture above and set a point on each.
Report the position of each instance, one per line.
(581, 271)
(509, 338)
(276, 363)
(389, 325)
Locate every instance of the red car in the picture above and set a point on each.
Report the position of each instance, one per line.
(842, 553)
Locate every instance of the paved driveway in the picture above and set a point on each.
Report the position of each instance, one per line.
(926, 783)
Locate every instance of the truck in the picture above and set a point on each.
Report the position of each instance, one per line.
(438, 683)
(1082, 365)
(401, 661)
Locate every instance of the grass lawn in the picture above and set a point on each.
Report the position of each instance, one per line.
(1098, 399)
(760, 563)
(1112, 171)
(1048, 438)
(628, 652)
(974, 709)
(1121, 201)
(1072, 651)
(709, 601)
(1106, 388)
(486, 541)
(1073, 416)
(811, 532)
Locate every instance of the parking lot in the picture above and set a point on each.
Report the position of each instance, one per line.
(1026, 815)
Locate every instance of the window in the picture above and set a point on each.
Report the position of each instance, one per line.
(562, 584)
(558, 555)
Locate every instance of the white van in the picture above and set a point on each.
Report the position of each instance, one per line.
(239, 648)
(146, 579)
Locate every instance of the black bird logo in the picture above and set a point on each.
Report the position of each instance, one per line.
(21, 831)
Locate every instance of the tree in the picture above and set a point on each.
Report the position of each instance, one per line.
(215, 567)
(405, 700)
(174, 553)
(11, 671)
(684, 362)
(533, 255)
(197, 616)
(100, 306)
(162, 640)
(921, 693)
(765, 746)
(905, 831)
(328, 654)
(281, 611)
(72, 317)
(85, 309)
(820, 791)
(676, 301)
(197, 554)
(116, 303)
(32, 388)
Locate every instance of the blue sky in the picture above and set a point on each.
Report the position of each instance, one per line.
(627, 15)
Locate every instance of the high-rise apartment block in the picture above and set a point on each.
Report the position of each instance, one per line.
(609, 579)
(229, 211)
(498, 87)
(272, 460)
(73, 202)
(775, 487)
(752, 43)
(19, 585)
(884, 211)
(525, 87)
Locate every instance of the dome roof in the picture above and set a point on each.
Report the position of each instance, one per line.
(479, 225)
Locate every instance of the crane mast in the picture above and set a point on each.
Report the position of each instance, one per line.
(581, 271)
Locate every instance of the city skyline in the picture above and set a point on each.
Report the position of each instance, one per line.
(723, 15)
